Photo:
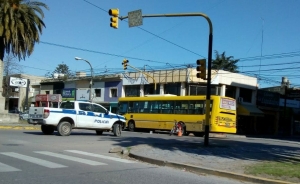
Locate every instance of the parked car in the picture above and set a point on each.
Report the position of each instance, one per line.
(24, 115)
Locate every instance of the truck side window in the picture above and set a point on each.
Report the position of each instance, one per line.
(67, 105)
(85, 106)
(97, 108)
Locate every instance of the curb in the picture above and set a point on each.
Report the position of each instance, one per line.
(201, 170)
(17, 127)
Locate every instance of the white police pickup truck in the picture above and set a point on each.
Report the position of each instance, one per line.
(76, 115)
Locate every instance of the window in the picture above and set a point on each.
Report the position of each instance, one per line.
(167, 107)
(47, 92)
(123, 107)
(113, 92)
(67, 105)
(155, 106)
(85, 106)
(98, 92)
(246, 94)
(132, 91)
(196, 107)
(98, 108)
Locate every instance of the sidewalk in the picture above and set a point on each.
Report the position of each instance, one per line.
(224, 160)
(209, 163)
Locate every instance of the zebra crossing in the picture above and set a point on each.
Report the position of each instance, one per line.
(52, 165)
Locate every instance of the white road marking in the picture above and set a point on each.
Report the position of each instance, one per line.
(33, 160)
(100, 156)
(7, 168)
(74, 159)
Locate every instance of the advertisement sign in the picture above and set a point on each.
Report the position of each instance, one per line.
(48, 98)
(68, 93)
(295, 94)
(55, 98)
(41, 98)
(267, 99)
(290, 103)
(83, 94)
(229, 104)
(18, 82)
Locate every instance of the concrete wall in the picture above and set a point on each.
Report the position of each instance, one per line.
(9, 118)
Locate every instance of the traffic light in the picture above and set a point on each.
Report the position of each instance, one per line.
(124, 63)
(114, 19)
(201, 69)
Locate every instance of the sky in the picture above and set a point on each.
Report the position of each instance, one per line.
(263, 34)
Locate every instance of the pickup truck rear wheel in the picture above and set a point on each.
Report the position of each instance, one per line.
(47, 130)
(117, 129)
(64, 128)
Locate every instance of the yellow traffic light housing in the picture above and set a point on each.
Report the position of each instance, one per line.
(114, 19)
(201, 69)
(124, 63)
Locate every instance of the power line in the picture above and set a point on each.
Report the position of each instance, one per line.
(98, 52)
(152, 33)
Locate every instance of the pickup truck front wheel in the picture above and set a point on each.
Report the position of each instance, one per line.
(64, 128)
(47, 130)
(117, 129)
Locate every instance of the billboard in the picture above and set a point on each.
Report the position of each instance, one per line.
(82, 94)
(68, 93)
(18, 82)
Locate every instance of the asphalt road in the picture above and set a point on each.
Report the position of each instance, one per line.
(28, 156)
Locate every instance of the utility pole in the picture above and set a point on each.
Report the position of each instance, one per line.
(26, 98)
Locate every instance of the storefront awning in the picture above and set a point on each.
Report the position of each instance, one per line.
(249, 110)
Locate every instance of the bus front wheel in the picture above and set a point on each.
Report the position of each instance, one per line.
(131, 126)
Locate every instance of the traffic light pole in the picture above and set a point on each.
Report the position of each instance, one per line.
(210, 41)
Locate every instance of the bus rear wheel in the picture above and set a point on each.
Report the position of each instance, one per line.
(198, 134)
(131, 126)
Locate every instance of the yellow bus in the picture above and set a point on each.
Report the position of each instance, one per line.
(158, 112)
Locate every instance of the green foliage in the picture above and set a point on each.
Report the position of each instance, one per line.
(275, 169)
(60, 69)
(222, 62)
(20, 25)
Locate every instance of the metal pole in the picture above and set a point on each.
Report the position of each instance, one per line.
(26, 97)
(92, 75)
(208, 91)
(91, 82)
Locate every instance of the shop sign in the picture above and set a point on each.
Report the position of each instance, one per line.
(267, 99)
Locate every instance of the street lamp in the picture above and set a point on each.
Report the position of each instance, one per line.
(91, 82)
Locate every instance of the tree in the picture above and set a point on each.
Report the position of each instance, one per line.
(221, 62)
(11, 66)
(20, 26)
(60, 69)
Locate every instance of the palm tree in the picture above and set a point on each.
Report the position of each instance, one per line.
(20, 25)
(225, 63)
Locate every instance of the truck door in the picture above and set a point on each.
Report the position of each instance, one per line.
(101, 119)
(85, 116)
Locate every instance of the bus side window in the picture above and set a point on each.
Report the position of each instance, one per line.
(135, 107)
